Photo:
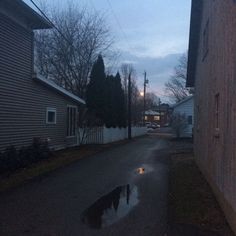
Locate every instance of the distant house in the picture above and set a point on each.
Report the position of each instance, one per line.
(165, 111)
(212, 72)
(186, 107)
(30, 106)
(152, 117)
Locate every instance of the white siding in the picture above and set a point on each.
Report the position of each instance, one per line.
(187, 108)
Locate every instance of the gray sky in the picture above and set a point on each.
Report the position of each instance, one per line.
(151, 34)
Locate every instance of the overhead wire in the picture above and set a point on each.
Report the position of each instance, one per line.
(59, 31)
(119, 24)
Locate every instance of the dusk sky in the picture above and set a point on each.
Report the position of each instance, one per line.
(151, 34)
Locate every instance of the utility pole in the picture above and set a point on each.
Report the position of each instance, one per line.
(144, 96)
(129, 108)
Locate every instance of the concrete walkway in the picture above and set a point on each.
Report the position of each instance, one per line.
(105, 194)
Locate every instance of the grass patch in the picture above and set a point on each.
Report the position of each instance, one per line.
(191, 200)
(59, 159)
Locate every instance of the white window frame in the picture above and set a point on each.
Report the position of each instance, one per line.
(68, 128)
(50, 109)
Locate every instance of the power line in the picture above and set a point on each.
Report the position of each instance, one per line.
(51, 23)
(59, 31)
(118, 23)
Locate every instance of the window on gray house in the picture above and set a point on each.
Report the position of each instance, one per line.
(51, 116)
(71, 121)
(190, 120)
(205, 41)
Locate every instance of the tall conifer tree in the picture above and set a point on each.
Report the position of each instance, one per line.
(96, 96)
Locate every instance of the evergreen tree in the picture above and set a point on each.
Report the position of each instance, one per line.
(109, 120)
(96, 95)
(115, 102)
(120, 113)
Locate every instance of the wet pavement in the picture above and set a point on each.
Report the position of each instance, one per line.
(111, 208)
(122, 191)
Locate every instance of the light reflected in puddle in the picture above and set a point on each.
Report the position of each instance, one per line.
(110, 208)
(144, 169)
(141, 171)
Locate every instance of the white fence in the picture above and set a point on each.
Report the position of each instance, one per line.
(103, 135)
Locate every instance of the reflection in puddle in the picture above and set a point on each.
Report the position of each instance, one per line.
(141, 171)
(111, 207)
(144, 169)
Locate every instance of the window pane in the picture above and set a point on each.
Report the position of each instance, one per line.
(68, 121)
(51, 117)
(74, 120)
(71, 121)
(190, 120)
(71, 118)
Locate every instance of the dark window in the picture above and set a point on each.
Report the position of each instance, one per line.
(71, 121)
(217, 104)
(190, 120)
(51, 116)
(205, 40)
(198, 120)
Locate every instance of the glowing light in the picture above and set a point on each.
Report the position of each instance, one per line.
(141, 171)
(142, 94)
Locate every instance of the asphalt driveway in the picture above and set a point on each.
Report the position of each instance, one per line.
(122, 191)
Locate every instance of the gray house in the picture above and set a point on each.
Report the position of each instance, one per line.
(30, 106)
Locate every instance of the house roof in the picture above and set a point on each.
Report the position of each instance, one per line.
(55, 87)
(152, 113)
(194, 38)
(183, 101)
(34, 20)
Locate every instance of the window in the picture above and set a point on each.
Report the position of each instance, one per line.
(190, 120)
(51, 116)
(146, 118)
(71, 120)
(157, 118)
(205, 41)
(217, 103)
(198, 119)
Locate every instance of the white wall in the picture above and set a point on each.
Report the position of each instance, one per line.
(186, 108)
(103, 135)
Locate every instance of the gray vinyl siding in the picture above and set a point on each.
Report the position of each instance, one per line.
(23, 101)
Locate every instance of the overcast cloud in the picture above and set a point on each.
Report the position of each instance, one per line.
(152, 34)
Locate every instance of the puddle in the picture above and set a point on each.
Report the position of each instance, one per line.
(141, 170)
(112, 207)
(144, 169)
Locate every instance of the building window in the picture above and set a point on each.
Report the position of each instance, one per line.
(146, 118)
(198, 119)
(71, 120)
(190, 120)
(157, 118)
(51, 116)
(205, 41)
(217, 104)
